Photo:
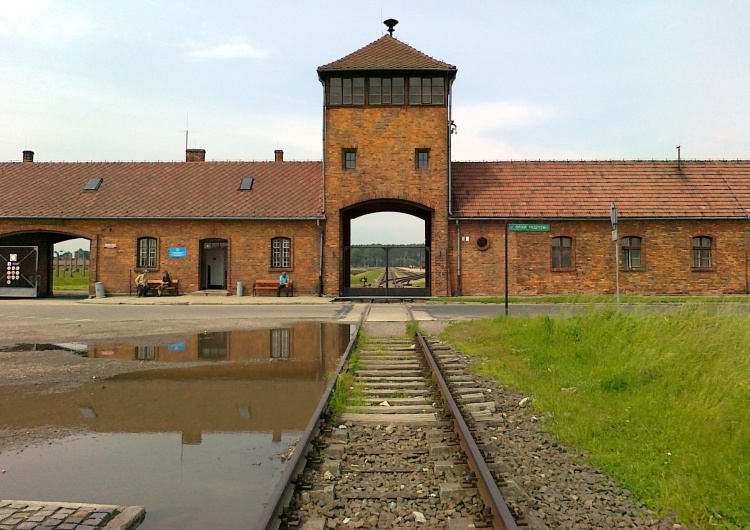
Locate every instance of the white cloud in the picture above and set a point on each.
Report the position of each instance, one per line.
(502, 115)
(40, 19)
(230, 50)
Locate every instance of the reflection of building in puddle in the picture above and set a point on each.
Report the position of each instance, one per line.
(303, 342)
(192, 401)
(222, 397)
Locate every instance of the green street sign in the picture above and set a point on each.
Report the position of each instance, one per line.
(525, 227)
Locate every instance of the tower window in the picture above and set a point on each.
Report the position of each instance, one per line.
(386, 91)
(422, 157)
(426, 91)
(350, 159)
(347, 91)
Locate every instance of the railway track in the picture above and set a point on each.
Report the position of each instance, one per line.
(399, 277)
(404, 455)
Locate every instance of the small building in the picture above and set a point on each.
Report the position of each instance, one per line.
(539, 227)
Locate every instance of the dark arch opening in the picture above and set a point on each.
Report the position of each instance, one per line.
(378, 206)
(38, 273)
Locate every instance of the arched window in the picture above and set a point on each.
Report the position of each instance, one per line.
(702, 253)
(562, 252)
(631, 252)
(146, 258)
(281, 253)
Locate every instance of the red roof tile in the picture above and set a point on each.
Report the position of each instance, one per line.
(386, 53)
(586, 190)
(161, 190)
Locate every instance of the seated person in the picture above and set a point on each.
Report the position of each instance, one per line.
(141, 282)
(283, 284)
(165, 282)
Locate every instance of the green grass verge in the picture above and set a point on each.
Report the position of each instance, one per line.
(346, 392)
(661, 402)
(595, 299)
(77, 282)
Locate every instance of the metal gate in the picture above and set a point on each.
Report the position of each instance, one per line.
(19, 272)
(400, 271)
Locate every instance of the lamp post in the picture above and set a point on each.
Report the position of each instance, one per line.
(615, 238)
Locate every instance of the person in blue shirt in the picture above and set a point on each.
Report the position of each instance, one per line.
(283, 284)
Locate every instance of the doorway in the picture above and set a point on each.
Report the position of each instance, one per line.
(213, 264)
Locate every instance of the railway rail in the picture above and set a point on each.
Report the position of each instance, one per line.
(404, 455)
(399, 277)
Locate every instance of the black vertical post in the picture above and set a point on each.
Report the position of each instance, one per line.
(506, 268)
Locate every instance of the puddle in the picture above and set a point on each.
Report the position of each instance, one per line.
(297, 342)
(199, 447)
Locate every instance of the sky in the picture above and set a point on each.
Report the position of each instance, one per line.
(121, 81)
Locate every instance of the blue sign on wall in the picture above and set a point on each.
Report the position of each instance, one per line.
(177, 252)
(178, 346)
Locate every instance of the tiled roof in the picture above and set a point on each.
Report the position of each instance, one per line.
(386, 53)
(586, 190)
(161, 190)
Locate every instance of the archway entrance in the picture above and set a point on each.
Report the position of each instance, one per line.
(31, 264)
(385, 268)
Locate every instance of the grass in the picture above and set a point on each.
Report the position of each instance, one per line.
(596, 299)
(661, 402)
(78, 282)
(346, 393)
(372, 275)
(412, 328)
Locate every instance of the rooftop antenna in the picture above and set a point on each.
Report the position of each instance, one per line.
(187, 116)
(679, 161)
(391, 23)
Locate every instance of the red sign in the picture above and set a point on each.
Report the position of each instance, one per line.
(110, 245)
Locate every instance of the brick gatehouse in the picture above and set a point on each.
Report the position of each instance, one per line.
(684, 226)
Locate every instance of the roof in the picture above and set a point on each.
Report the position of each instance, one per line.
(386, 53)
(586, 190)
(161, 190)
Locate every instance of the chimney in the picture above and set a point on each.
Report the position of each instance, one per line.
(28, 156)
(278, 155)
(195, 155)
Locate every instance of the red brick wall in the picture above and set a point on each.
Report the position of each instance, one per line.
(248, 255)
(666, 259)
(386, 139)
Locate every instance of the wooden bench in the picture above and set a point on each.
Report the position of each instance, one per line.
(260, 286)
(173, 287)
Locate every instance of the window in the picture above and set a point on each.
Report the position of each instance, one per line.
(92, 184)
(631, 252)
(386, 91)
(702, 253)
(483, 243)
(281, 343)
(147, 253)
(281, 253)
(246, 184)
(562, 252)
(347, 91)
(422, 157)
(350, 158)
(426, 91)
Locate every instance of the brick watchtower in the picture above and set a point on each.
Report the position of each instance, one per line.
(387, 148)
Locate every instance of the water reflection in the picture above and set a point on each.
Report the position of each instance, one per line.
(304, 342)
(253, 408)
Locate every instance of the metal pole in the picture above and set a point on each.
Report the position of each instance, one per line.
(506, 268)
(617, 267)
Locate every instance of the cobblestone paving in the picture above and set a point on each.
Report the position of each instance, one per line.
(27, 515)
